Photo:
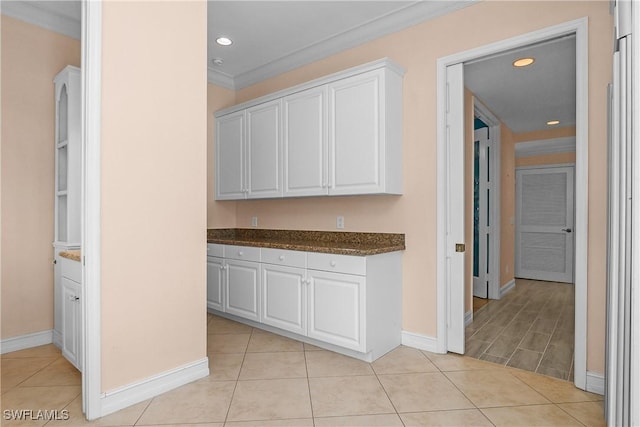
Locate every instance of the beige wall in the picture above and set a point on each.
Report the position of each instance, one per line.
(154, 184)
(507, 205)
(31, 57)
(546, 159)
(414, 213)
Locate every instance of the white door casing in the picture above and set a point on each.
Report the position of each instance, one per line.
(544, 223)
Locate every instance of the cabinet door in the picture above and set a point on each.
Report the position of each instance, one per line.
(264, 173)
(305, 143)
(242, 289)
(284, 297)
(355, 132)
(230, 155)
(71, 332)
(215, 283)
(336, 304)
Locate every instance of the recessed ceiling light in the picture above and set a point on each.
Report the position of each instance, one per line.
(523, 62)
(224, 41)
(553, 122)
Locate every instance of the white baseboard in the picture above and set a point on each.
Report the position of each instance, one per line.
(57, 339)
(507, 287)
(137, 392)
(26, 341)
(421, 342)
(595, 383)
(468, 318)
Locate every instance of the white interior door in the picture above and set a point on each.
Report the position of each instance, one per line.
(481, 217)
(455, 274)
(544, 223)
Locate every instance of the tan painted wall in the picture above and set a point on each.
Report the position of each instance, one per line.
(546, 159)
(154, 183)
(507, 205)
(31, 57)
(414, 213)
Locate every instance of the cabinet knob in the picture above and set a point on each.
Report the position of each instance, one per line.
(281, 257)
(332, 263)
(240, 253)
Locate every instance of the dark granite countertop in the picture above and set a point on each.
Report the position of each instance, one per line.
(344, 243)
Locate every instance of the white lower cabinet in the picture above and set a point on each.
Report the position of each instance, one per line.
(71, 300)
(284, 298)
(242, 289)
(215, 283)
(349, 304)
(336, 308)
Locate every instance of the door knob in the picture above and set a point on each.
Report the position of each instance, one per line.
(567, 230)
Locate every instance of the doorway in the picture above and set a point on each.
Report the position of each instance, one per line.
(451, 258)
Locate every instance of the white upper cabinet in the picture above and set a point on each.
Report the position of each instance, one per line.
(68, 159)
(338, 135)
(263, 152)
(365, 135)
(305, 143)
(230, 181)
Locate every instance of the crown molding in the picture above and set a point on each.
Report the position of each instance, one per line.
(42, 17)
(220, 79)
(546, 146)
(412, 14)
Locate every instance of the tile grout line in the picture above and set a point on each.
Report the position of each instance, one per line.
(235, 386)
(385, 390)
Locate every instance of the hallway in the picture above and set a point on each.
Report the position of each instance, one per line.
(530, 328)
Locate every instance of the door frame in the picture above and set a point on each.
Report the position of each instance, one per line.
(480, 110)
(449, 291)
(91, 70)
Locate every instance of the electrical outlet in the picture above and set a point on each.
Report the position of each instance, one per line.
(340, 222)
(254, 221)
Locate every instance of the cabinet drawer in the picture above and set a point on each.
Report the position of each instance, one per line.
(247, 253)
(215, 249)
(338, 263)
(284, 257)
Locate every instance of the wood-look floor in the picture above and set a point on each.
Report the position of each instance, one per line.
(530, 328)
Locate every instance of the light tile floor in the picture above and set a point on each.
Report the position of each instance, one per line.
(261, 379)
(531, 328)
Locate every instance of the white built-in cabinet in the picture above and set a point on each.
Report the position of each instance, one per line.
(215, 280)
(349, 304)
(70, 307)
(67, 197)
(284, 290)
(242, 282)
(338, 135)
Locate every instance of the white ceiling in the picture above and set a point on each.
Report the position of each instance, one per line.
(272, 37)
(526, 98)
